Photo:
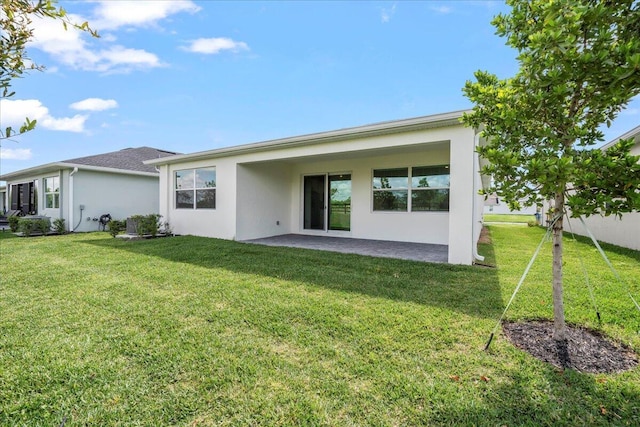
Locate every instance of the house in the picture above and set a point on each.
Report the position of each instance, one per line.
(83, 189)
(412, 180)
(3, 199)
(623, 231)
(493, 205)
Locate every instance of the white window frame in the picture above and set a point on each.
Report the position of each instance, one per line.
(409, 188)
(195, 188)
(54, 193)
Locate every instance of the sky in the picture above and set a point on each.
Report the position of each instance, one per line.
(188, 76)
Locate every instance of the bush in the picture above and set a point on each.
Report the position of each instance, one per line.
(26, 226)
(146, 224)
(116, 227)
(43, 225)
(166, 228)
(13, 223)
(58, 226)
(532, 223)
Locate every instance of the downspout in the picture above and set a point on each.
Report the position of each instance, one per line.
(71, 228)
(477, 222)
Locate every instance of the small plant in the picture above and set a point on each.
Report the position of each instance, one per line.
(146, 224)
(59, 226)
(532, 223)
(152, 224)
(14, 223)
(26, 226)
(43, 225)
(166, 228)
(117, 226)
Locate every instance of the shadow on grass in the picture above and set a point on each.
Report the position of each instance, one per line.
(471, 290)
(570, 399)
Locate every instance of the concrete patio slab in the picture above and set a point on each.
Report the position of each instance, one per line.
(377, 248)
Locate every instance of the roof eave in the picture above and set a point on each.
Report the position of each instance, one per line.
(418, 123)
(52, 167)
(633, 133)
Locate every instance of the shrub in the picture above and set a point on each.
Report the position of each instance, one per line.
(146, 224)
(166, 228)
(26, 226)
(59, 226)
(14, 223)
(116, 227)
(43, 225)
(532, 223)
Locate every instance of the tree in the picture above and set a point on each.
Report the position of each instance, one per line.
(579, 67)
(16, 17)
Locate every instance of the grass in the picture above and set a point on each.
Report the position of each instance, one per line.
(194, 331)
(515, 218)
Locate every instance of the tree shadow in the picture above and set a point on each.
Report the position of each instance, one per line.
(471, 290)
(539, 395)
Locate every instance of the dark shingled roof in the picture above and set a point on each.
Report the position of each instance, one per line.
(128, 159)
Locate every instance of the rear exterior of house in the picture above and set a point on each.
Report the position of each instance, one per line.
(413, 180)
(623, 231)
(83, 189)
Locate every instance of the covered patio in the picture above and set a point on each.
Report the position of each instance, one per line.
(378, 248)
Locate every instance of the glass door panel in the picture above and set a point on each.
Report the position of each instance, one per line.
(340, 202)
(314, 202)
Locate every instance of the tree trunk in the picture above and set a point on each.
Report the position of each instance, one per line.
(559, 326)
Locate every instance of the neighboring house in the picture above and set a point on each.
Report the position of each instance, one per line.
(81, 190)
(622, 232)
(3, 199)
(493, 205)
(413, 180)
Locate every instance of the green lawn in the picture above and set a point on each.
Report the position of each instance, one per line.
(517, 218)
(193, 331)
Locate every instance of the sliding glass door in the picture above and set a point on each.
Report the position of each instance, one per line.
(314, 202)
(327, 202)
(340, 202)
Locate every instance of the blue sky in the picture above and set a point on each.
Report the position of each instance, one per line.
(190, 76)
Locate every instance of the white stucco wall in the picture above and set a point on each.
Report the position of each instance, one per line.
(119, 195)
(219, 222)
(422, 227)
(253, 188)
(463, 194)
(623, 232)
(263, 202)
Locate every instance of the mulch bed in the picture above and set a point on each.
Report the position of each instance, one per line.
(485, 237)
(584, 351)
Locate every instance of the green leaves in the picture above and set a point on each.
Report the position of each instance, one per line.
(16, 30)
(27, 126)
(579, 66)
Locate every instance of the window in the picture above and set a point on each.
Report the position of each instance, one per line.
(415, 189)
(52, 192)
(391, 189)
(196, 188)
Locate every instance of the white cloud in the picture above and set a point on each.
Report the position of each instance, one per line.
(13, 113)
(78, 50)
(15, 153)
(122, 59)
(215, 45)
(387, 14)
(69, 48)
(69, 124)
(442, 9)
(115, 14)
(94, 104)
